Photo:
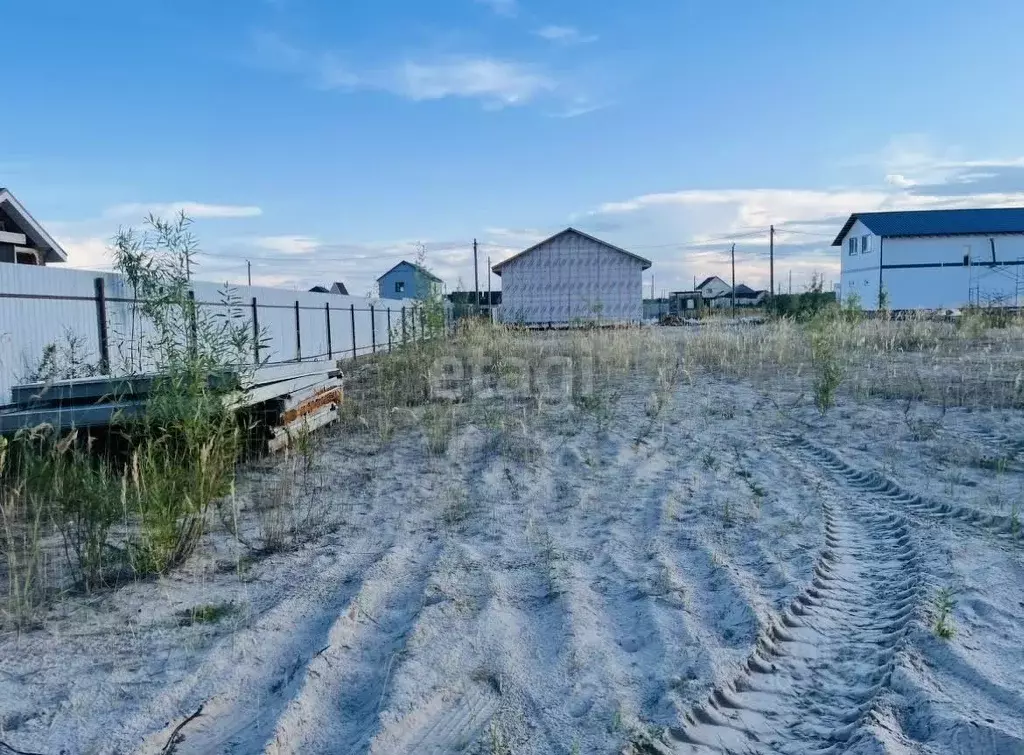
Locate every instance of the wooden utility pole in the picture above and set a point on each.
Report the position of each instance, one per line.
(733, 280)
(248, 271)
(490, 300)
(771, 265)
(790, 281)
(476, 281)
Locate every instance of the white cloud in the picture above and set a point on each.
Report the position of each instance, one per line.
(498, 81)
(139, 210)
(288, 244)
(565, 35)
(578, 106)
(87, 252)
(899, 181)
(502, 7)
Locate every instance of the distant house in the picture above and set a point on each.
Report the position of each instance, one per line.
(684, 303)
(655, 309)
(933, 259)
(463, 306)
(745, 297)
(336, 288)
(569, 277)
(407, 280)
(22, 240)
(748, 297)
(713, 287)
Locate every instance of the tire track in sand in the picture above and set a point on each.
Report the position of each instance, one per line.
(816, 671)
(442, 697)
(256, 681)
(875, 483)
(346, 685)
(628, 629)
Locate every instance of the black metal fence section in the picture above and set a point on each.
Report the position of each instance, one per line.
(404, 324)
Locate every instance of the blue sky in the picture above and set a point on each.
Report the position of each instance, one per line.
(322, 140)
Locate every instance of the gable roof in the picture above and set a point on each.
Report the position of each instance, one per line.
(646, 263)
(418, 268)
(743, 290)
(706, 281)
(339, 288)
(52, 251)
(938, 222)
(318, 290)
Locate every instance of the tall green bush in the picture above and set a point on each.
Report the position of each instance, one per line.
(187, 440)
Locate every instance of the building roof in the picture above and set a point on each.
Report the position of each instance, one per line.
(52, 251)
(994, 220)
(339, 288)
(418, 268)
(646, 263)
(318, 290)
(743, 290)
(706, 281)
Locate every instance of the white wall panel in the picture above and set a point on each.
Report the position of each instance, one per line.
(572, 278)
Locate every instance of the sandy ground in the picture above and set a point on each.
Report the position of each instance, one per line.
(742, 578)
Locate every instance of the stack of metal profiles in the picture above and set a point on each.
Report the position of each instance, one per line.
(281, 401)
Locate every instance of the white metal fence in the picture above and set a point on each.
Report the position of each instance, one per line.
(50, 305)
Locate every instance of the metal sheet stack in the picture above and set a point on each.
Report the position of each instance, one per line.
(285, 401)
(279, 401)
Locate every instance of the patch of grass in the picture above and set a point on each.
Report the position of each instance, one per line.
(828, 371)
(292, 508)
(438, 422)
(943, 605)
(455, 506)
(209, 613)
(498, 740)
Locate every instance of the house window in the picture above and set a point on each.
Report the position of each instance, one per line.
(852, 244)
(865, 244)
(967, 255)
(399, 287)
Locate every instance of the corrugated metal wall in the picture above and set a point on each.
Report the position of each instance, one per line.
(572, 278)
(47, 305)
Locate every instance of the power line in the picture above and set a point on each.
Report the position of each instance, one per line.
(783, 229)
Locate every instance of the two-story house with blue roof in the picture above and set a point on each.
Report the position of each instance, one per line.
(933, 259)
(407, 280)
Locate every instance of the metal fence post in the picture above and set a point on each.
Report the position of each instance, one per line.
(101, 325)
(327, 316)
(193, 326)
(255, 330)
(352, 312)
(373, 329)
(389, 328)
(298, 335)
